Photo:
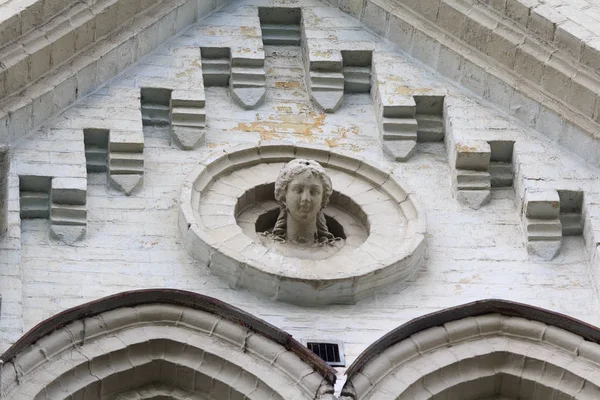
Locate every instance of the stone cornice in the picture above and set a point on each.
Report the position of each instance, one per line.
(18, 17)
(63, 37)
(70, 57)
(550, 25)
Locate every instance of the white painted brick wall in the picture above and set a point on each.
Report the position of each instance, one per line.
(133, 242)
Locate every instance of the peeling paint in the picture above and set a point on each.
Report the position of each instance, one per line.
(249, 31)
(306, 123)
(288, 85)
(195, 65)
(462, 148)
(410, 90)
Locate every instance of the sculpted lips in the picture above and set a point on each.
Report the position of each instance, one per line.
(304, 211)
(305, 207)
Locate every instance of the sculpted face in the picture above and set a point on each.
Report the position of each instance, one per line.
(302, 190)
(304, 196)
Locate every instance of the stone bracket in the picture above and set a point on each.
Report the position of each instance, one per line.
(248, 79)
(472, 181)
(325, 78)
(243, 72)
(332, 73)
(126, 160)
(398, 126)
(61, 200)
(404, 118)
(188, 117)
(68, 211)
(541, 223)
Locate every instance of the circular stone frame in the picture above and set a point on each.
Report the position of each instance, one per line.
(387, 256)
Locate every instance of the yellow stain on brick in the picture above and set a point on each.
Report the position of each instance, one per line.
(194, 66)
(332, 142)
(475, 277)
(322, 53)
(462, 148)
(342, 133)
(277, 126)
(410, 90)
(248, 30)
(214, 31)
(335, 143)
(390, 78)
(287, 85)
(354, 147)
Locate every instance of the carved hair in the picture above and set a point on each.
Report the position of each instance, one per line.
(286, 175)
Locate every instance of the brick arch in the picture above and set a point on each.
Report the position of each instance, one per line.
(160, 344)
(480, 351)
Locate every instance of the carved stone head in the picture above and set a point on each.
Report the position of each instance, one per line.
(298, 175)
(303, 189)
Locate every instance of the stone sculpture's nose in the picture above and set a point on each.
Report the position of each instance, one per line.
(305, 196)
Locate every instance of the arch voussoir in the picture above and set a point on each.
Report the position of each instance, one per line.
(484, 350)
(166, 344)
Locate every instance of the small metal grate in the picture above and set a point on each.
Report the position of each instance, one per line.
(329, 352)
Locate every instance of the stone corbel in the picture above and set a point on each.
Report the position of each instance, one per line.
(68, 210)
(325, 79)
(541, 223)
(126, 160)
(472, 180)
(247, 81)
(188, 117)
(398, 125)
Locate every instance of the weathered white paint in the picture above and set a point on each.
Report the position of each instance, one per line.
(133, 242)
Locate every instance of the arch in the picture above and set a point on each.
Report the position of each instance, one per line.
(160, 344)
(159, 392)
(490, 349)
